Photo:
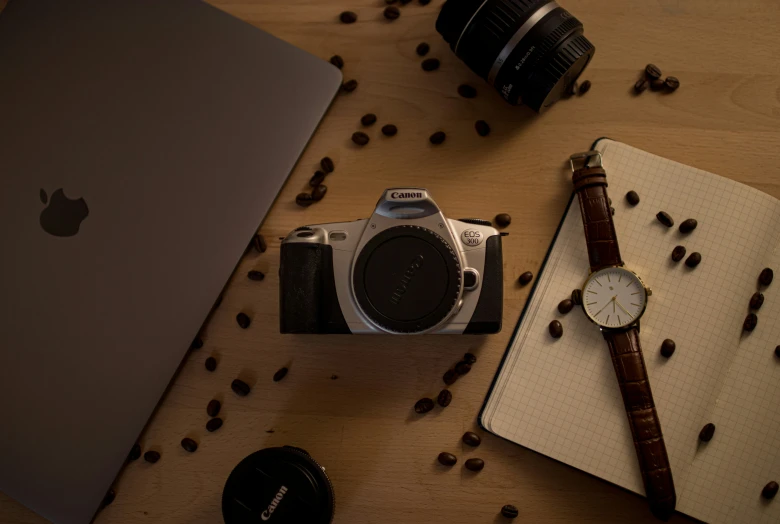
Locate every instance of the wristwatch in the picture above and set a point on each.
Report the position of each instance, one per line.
(614, 298)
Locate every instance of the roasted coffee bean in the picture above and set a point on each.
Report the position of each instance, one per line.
(573, 89)
(667, 347)
(471, 439)
(657, 84)
(482, 127)
(503, 220)
(258, 243)
(152, 456)
(368, 119)
(777, 351)
(585, 87)
(467, 91)
(766, 276)
(770, 490)
(612, 210)
(693, 259)
(576, 297)
(349, 86)
(445, 397)
(470, 358)
(389, 130)
(688, 225)
(678, 253)
(632, 198)
(424, 2)
(304, 199)
(213, 407)
(664, 218)
(243, 320)
(327, 165)
(214, 424)
(565, 305)
(255, 275)
(750, 323)
(707, 432)
(475, 464)
(556, 329)
(525, 278)
(197, 343)
(430, 64)
(757, 300)
(509, 511)
(189, 445)
(109, 498)
(392, 12)
(240, 387)
(462, 368)
(422, 49)
(640, 86)
(279, 375)
(652, 72)
(450, 377)
(447, 459)
(672, 83)
(316, 179)
(424, 405)
(211, 363)
(360, 138)
(437, 138)
(318, 193)
(348, 17)
(337, 61)
(334, 377)
(135, 451)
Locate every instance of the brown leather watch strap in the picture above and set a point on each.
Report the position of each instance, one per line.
(643, 419)
(590, 184)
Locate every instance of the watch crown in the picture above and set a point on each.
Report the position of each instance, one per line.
(649, 292)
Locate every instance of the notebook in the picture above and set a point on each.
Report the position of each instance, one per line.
(560, 397)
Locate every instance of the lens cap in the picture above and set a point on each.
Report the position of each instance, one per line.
(280, 486)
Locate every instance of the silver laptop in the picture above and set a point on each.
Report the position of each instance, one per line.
(142, 142)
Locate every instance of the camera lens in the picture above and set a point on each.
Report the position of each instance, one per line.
(529, 50)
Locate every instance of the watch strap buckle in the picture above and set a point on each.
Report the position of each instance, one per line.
(585, 158)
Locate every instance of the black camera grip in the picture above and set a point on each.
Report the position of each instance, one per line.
(487, 316)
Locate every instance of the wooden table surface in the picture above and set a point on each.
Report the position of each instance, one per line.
(380, 456)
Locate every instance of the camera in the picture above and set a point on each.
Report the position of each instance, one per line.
(531, 51)
(405, 270)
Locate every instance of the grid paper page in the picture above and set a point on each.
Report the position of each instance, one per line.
(561, 398)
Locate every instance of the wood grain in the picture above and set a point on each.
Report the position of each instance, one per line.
(380, 456)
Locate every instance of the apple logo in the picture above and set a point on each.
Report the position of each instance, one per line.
(63, 216)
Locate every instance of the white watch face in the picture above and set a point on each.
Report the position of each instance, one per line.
(614, 297)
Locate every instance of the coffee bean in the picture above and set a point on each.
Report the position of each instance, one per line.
(475, 464)
(678, 253)
(368, 119)
(349, 86)
(152, 456)
(652, 72)
(471, 439)
(482, 127)
(317, 179)
(360, 138)
(445, 397)
(693, 259)
(240, 387)
(509, 511)
(430, 64)
(214, 424)
(525, 278)
(424, 405)
(503, 220)
(777, 351)
(243, 320)
(279, 375)
(450, 377)
(576, 297)
(565, 305)
(197, 343)
(334, 377)
(389, 130)
(424, 2)
(573, 89)
(688, 225)
(437, 138)
(392, 12)
(189, 445)
(211, 363)
(469, 358)
(462, 368)
(466, 91)
(327, 165)
(348, 17)
(612, 210)
(766, 276)
(447, 459)
(256, 275)
(667, 347)
(750, 323)
(757, 300)
(337, 61)
(422, 49)
(640, 86)
(135, 451)
(672, 83)
(664, 218)
(318, 193)
(632, 198)
(707, 432)
(585, 87)
(258, 243)
(304, 199)
(213, 407)
(770, 490)
(657, 84)
(109, 498)
(556, 329)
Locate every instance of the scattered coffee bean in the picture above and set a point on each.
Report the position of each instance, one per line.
(470, 358)
(258, 243)
(688, 225)
(450, 377)
(612, 210)
(664, 218)
(576, 297)
(678, 253)
(256, 275)
(318, 193)
(667, 347)
(348, 17)
(243, 320)
(447, 459)
(327, 165)
(509, 511)
(503, 220)
(750, 323)
(197, 343)
(777, 351)
(422, 49)
(437, 138)
(211, 363)
(632, 198)
(189, 445)
(430, 64)
(770, 490)
(693, 260)
(475, 464)
(766, 276)
(445, 397)
(424, 2)
(240, 387)
(135, 451)
(525, 278)
(757, 300)
(389, 130)
(214, 424)
(392, 12)
(462, 368)
(368, 119)
(565, 305)
(482, 127)
(585, 87)
(109, 498)
(337, 61)
(349, 86)
(304, 199)
(317, 179)
(279, 375)
(707, 432)
(657, 84)
(360, 138)
(152, 456)
(652, 72)
(556, 329)
(672, 83)
(424, 405)
(213, 407)
(471, 439)
(467, 91)
(573, 89)
(640, 86)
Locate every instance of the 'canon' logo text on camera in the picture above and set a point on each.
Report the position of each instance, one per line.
(405, 195)
(406, 279)
(275, 502)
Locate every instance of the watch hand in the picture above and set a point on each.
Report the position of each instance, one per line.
(605, 307)
(624, 309)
